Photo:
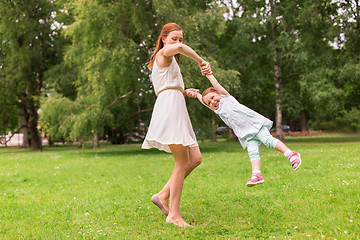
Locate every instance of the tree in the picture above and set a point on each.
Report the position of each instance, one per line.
(106, 57)
(9, 109)
(27, 41)
(284, 41)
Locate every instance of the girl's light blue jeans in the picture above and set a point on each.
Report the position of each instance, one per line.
(253, 145)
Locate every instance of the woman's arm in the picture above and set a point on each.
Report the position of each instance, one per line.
(217, 85)
(170, 50)
(194, 93)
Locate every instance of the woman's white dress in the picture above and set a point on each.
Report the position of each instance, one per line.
(170, 122)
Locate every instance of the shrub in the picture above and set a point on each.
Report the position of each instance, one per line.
(349, 120)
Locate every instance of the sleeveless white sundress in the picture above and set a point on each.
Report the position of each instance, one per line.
(170, 122)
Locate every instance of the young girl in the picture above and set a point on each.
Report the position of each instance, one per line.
(250, 127)
(170, 127)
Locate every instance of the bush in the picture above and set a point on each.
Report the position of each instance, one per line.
(324, 125)
(349, 120)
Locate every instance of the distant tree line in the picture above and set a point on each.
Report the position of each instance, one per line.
(75, 70)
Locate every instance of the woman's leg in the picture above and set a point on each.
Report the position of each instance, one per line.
(195, 160)
(182, 160)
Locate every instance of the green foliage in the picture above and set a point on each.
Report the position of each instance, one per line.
(323, 125)
(349, 120)
(54, 115)
(28, 34)
(91, 57)
(349, 80)
(101, 67)
(8, 110)
(299, 32)
(324, 95)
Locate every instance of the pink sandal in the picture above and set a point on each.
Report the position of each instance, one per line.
(254, 180)
(295, 160)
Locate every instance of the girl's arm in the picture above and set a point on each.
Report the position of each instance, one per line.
(199, 97)
(180, 48)
(194, 93)
(217, 85)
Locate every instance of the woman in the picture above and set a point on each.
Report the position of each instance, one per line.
(170, 128)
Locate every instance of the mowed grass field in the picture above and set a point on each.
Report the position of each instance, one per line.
(67, 193)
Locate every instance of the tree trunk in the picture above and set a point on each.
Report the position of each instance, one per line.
(96, 143)
(80, 143)
(25, 131)
(32, 124)
(277, 80)
(303, 122)
(278, 95)
(279, 130)
(51, 142)
(213, 132)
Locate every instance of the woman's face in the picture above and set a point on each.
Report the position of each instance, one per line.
(173, 37)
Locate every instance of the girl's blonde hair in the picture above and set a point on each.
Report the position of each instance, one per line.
(207, 91)
(168, 28)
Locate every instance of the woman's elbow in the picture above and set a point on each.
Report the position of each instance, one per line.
(174, 49)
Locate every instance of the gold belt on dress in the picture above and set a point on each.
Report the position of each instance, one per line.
(167, 88)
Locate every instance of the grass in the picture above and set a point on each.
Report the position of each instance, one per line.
(66, 193)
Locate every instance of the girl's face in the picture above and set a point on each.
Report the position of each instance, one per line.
(212, 99)
(173, 37)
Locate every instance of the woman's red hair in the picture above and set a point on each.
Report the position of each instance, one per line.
(168, 28)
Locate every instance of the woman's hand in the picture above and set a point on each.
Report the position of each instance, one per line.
(191, 92)
(205, 68)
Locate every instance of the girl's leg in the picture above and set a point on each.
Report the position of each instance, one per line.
(181, 155)
(271, 142)
(253, 151)
(195, 160)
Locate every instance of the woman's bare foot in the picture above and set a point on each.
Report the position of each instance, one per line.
(178, 222)
(161, 204)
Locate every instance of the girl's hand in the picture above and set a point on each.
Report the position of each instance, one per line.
(205, 68)
(191, 92)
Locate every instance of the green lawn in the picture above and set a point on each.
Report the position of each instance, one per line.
(66, 193)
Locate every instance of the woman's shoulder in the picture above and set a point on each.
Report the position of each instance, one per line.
(163, 61)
